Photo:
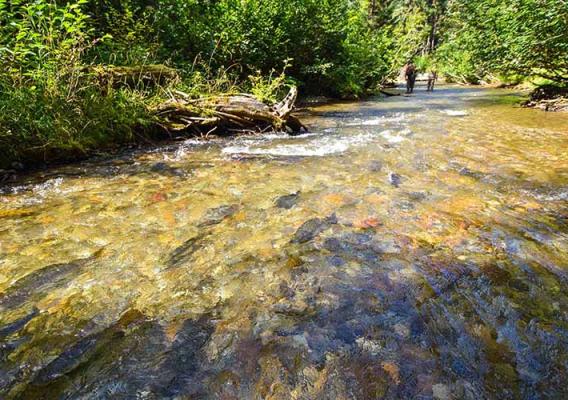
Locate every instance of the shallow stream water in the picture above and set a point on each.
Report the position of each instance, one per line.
(408, 248)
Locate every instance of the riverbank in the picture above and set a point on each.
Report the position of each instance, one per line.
(548, 98)
(135, 108)
(132, 107)
(78, 77)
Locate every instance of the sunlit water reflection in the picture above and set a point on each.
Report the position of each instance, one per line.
(406, 248)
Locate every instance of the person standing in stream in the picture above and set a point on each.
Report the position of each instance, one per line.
(410, 76)
(432, 76)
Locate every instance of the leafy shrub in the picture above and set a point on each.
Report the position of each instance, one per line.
(507, 37)
(50, 104)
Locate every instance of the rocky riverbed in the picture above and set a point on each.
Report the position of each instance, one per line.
(407, 248)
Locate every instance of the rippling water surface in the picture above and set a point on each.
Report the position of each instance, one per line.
(407, 248)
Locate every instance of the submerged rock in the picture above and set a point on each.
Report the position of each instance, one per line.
(159, 167)
(40, 281)
(15, 326)
(336, 261)
(288, 201)
(313, 227)
(395, 179)
(418, 196)
(519, 285)
(441, 392)
(179, 372)
(86, 348)
(358, 246)
(404, 205)
(286, 291)
(465, 171)
(185, 250)
(165, 169)
(375, 166)
(214, 216)
(334, 245)
(309, 230)
(349, 241)
(294, 308)
(68, 360)
(386, 246)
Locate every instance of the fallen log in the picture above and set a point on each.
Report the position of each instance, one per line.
(230, 114)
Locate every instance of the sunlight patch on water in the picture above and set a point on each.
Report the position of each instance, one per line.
(311, 149)
(455, 113)
(392, 137)
(285, 136)
(184, 148)
(558, 195)
(378, 121)
(42, 189)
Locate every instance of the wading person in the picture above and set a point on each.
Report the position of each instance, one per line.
(432, 76)
(410, 75)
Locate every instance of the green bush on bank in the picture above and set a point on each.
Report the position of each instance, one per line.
(38, 124)
(511, 38)
(330, 45)
(52, 106)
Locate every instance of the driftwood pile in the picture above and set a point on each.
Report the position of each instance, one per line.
(228, 114)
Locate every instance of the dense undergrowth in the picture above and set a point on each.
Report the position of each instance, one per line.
(56, 103)
(504, 40)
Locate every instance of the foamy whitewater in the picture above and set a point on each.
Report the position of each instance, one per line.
(317, 145)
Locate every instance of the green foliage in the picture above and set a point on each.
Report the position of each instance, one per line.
(42, 121)
(409, 30)
(457, 64)
(507, 37)
(202, 80)
(129, 32)
(41, 34)
(267, 88)
(50, 104)
(330, 44)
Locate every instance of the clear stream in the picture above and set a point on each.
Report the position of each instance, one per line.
(407, 248)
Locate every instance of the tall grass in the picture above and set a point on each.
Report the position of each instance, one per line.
(51, 104)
